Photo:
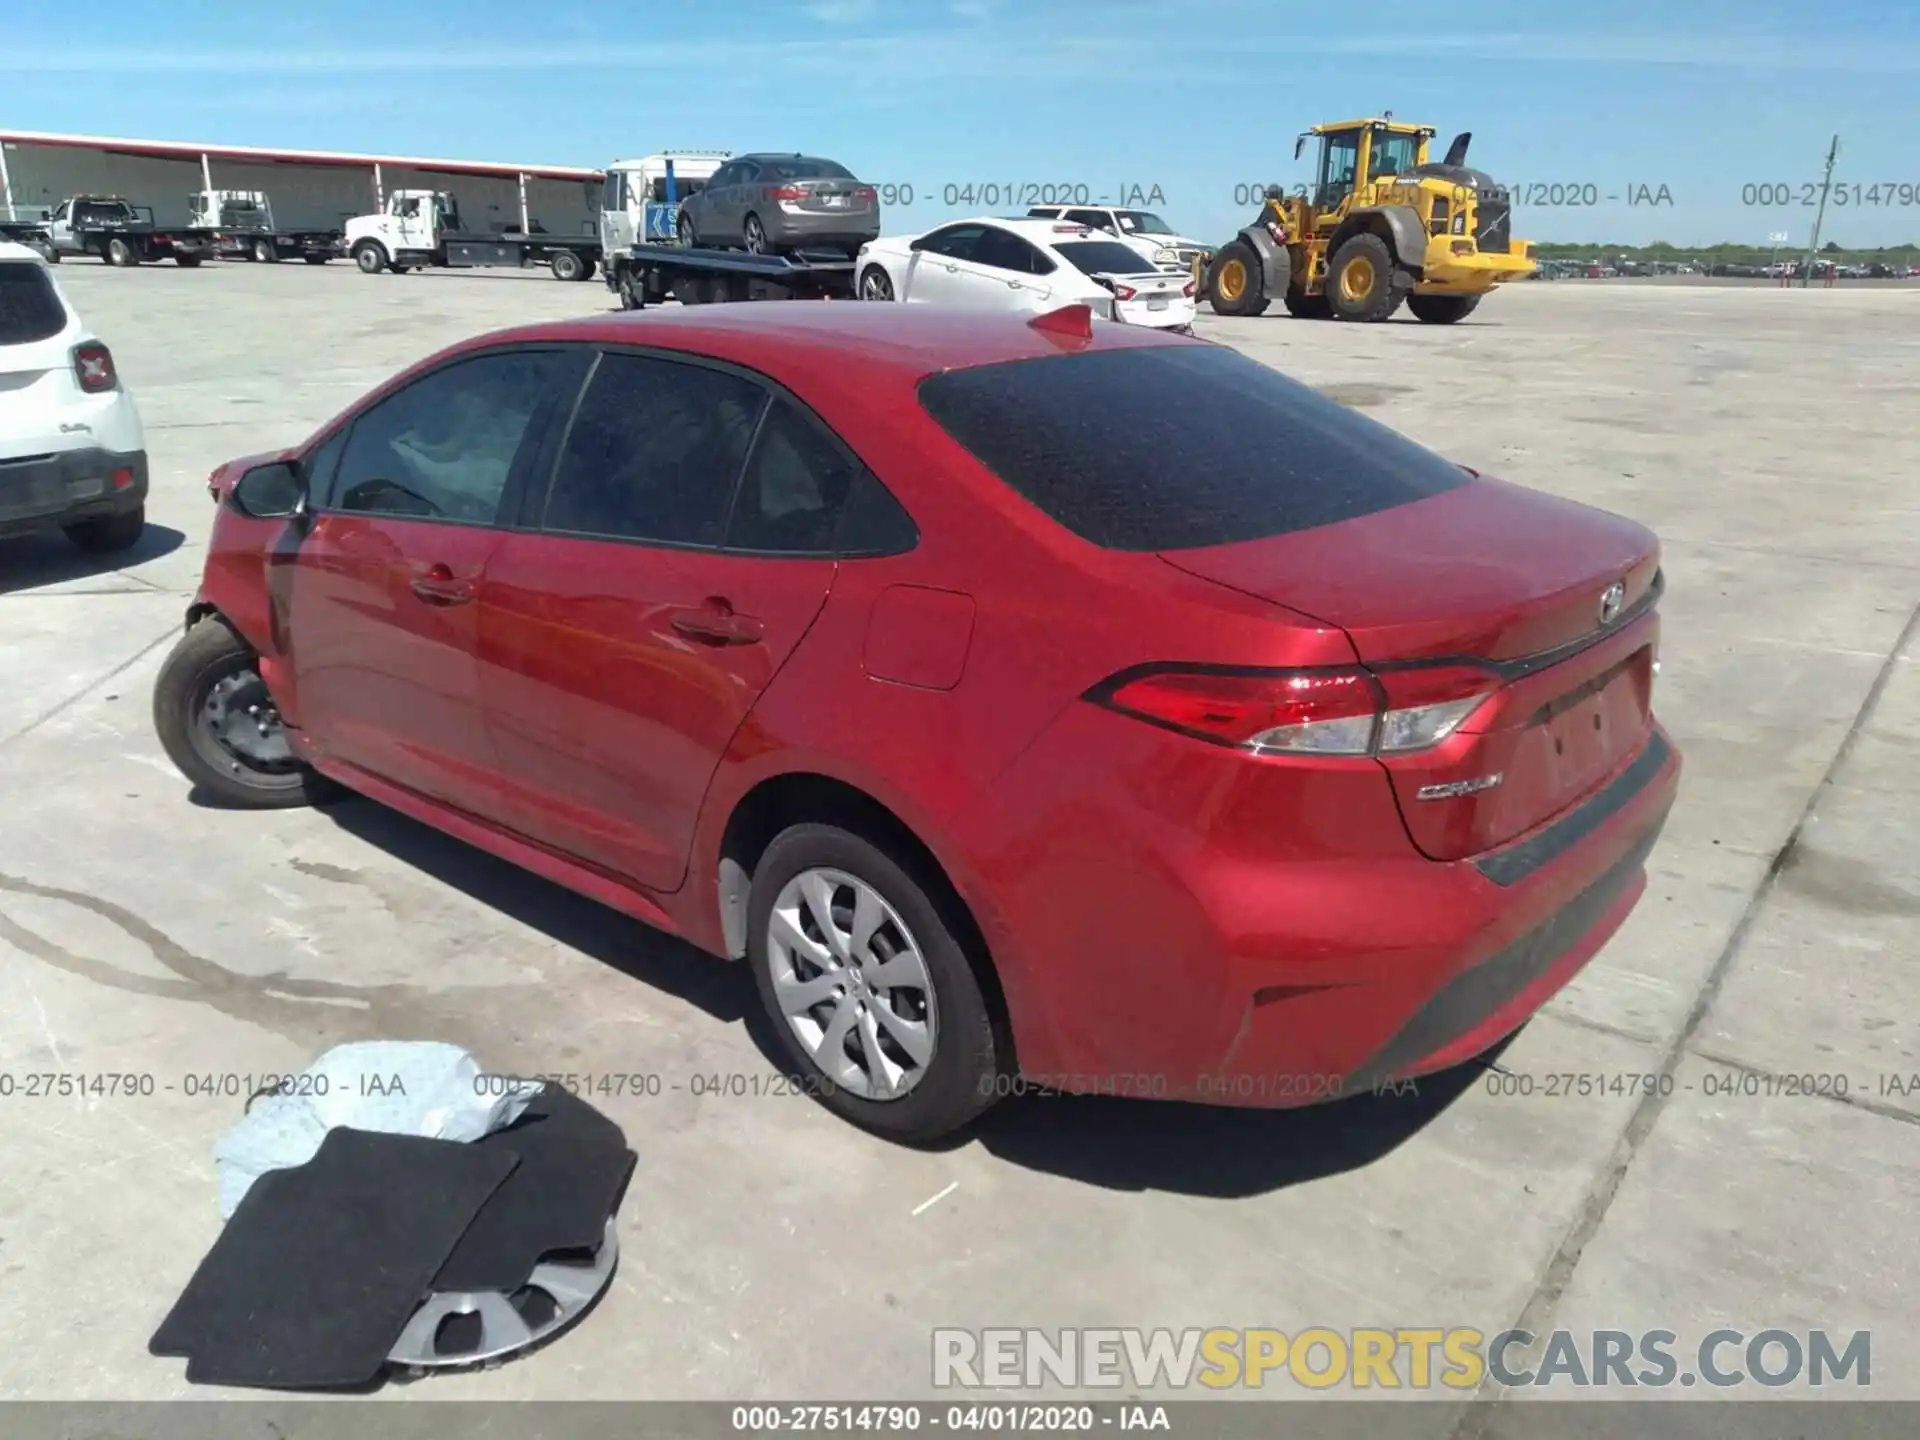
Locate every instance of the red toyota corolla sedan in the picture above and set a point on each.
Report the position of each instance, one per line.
(1028, 702)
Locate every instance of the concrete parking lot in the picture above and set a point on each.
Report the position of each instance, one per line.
(771, 1251)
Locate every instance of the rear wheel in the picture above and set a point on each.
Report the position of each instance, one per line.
(266, 252)
(109, 532)
(872, 997)
(1303, 306)
(565, 265)
(188, 262)
(1233, 283)
(875, 284)
(370, 256)
(1442, 309)
(1362, 281)
(119, 252)
(221, 727)
(631, 295)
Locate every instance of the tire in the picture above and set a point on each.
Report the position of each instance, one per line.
(1234, 281)
(109, 533)
(119, 252)
(1363, 283)
(875, 284)
(370, 256)
(957, 1080)
(684, 227)
(753, 235)
(629, 290)
(266, 252)
(1442, 309)
(1303, 306)
(208, 658)
(313, 259)
(49, 252)
(188, 262)
(588, 268)
(565, 265)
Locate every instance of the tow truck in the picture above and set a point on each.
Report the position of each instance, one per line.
(122, 233)
(421, 228)
(644, 264)
(242, 222)
(27, 225)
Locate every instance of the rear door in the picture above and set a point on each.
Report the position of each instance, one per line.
(381, 610)
(37, 389)
(1006, 273)
(625, 639)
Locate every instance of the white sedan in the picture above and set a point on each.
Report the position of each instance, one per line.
(1028, 266)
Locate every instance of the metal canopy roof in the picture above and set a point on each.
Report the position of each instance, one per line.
(180, 150)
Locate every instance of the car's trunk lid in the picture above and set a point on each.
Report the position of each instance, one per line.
(1496, 581)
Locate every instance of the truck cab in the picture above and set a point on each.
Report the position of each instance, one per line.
(247, 210)
(411, 223)
(641, 199)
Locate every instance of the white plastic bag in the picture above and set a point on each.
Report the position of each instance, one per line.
(396, 1087)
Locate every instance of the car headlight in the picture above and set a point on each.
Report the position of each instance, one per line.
(1166, 255)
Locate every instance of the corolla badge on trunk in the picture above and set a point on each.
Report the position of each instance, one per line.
(1611, 600)
(1455, 789)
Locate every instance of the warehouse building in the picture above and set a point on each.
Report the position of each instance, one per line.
(308, 189)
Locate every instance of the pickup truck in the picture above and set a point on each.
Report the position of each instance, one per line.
(121, 233)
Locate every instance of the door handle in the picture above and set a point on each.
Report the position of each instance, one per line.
(438, 585)
(716, 624)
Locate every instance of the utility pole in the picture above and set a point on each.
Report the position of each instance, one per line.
(1826, 184)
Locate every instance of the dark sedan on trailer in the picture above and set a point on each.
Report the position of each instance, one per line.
(1018, 696)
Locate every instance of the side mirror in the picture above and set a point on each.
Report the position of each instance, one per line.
(1299, 146)
(270, 492)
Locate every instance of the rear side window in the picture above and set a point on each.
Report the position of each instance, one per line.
(794, 490)
(30, 307)
(1177, 447)
(1102, 257)
(654, 452)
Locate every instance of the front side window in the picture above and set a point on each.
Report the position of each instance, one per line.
(956, 242)
(444, 447)
(654, 451)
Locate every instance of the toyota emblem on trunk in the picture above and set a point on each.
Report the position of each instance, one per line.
(1611, 599)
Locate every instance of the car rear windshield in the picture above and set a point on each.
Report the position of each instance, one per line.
(1102, 257)
(1179, 446)
(807, 170)
(30, 308)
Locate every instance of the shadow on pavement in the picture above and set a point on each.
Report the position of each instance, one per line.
(28, 561)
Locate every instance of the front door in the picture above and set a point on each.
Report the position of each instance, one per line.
(60, 229)
(382, 615)
(933, 272)
(622, 647)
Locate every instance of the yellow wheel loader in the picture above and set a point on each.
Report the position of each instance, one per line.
(1380, 225)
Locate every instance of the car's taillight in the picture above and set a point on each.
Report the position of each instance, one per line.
(867, 194)
(1343, 711)
(213, 483)
(93, 368)
(1189, 289)
(1123, 292)
(787, 192)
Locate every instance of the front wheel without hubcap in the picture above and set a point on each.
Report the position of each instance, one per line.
(1363, 282)
(221, 727)
(869, 991)
(755, 235)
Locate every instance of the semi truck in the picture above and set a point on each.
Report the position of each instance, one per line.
(122, 233)
(643, 263)
(422, 228)
(243, 228)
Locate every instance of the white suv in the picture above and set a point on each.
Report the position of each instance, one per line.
(73, 455)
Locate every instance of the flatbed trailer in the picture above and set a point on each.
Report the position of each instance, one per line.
(28, 230)
(650, 274)
(243, 227)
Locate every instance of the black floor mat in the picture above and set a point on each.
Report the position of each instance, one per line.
(574, 1165)
(321, 1266)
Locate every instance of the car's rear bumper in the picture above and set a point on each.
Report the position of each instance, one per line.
(824, 229)
(1266, 958)
(44, 492)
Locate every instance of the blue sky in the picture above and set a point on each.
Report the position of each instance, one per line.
(1188, 102)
